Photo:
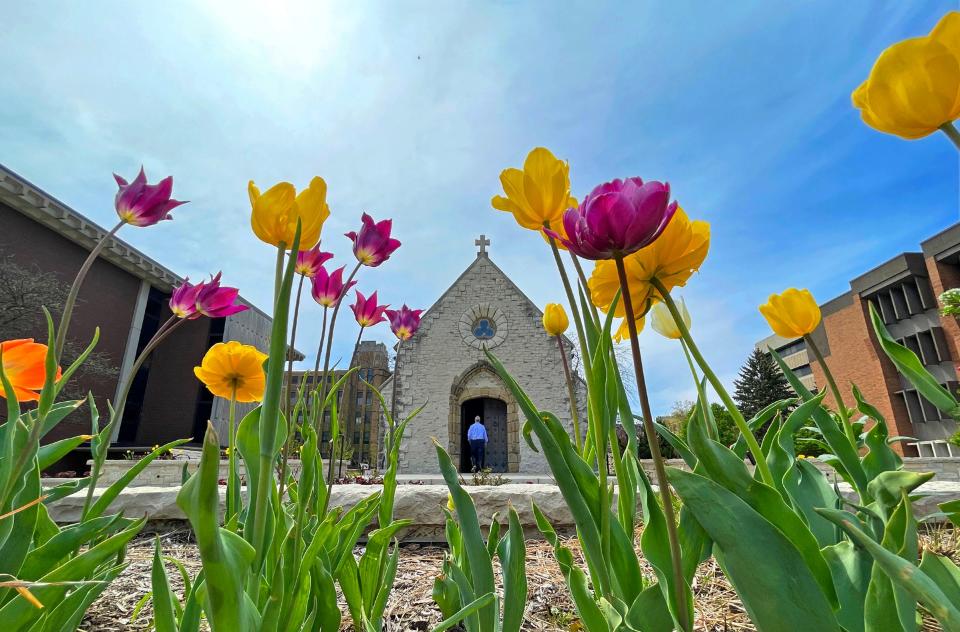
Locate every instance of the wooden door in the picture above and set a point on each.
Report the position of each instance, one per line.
(495, 419)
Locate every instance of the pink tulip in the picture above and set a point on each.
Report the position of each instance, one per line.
(217, 302)
(309, 262)
(617, 218)
(328, 289)
(404, 322)
(183, 300)
(142, 204)
(373, 244)
(366, 310)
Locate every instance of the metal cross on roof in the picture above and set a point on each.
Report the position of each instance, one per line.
(483, 242)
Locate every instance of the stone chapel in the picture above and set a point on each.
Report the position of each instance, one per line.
(444, 366)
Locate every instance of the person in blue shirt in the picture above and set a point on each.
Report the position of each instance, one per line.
(477, 436)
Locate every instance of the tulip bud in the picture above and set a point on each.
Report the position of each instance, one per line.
(663, 323)
(617, 218)
(555, 320)
(792, 314)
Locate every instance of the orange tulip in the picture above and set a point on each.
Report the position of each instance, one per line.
(23, 364)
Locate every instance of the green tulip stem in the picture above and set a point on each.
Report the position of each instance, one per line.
(323, 332)
(571, 298)
(287, 383)
(278, 274)
(290, 352)
(586, 286)
(738, 419)
(654, 443)
(116, 418)
(232, 491)
(572, 393)
(701, 394)
(326, 365)
(71, 301)
(393, 386)
(832, 383)
(577, 321)
(951, 132)
(329, 345)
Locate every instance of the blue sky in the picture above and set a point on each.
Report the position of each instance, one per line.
(412, 112)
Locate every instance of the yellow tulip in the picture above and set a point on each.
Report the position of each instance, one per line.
(672, 259)
(555, 320)
(538, 195)
(663, 323)
(622, 334)
(914, 86)
(231, 368)
(792, 314)
(275, 213)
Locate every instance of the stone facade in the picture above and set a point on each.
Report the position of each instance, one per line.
(444, 365)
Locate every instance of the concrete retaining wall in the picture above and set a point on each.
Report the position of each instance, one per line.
(422, 504)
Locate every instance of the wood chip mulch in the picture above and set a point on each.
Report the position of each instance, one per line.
(411, 607)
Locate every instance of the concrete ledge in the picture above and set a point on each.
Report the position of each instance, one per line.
(423, 504)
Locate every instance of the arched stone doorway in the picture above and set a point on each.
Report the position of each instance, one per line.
(479, 391)
(493, 413)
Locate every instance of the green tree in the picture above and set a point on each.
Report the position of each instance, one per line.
(759, 384)
(726, 428)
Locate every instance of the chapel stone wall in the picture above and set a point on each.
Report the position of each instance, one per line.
(442, 355)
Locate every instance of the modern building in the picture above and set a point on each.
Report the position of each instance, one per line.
(125, 294)
(358, 407)
(904, 291)
(794, 353)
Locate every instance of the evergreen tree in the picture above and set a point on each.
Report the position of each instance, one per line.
(759, 384)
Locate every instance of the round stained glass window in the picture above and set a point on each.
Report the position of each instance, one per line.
(484, 329)
(483, 326)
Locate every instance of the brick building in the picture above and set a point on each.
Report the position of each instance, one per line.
(126, 295)
(905, 291)
(358, 407)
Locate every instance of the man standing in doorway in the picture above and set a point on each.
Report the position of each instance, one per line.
(477, 436)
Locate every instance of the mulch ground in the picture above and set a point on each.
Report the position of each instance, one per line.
(411, 607)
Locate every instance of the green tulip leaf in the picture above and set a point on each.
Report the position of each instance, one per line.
(757, 558)
(912, 368)
(913, 579)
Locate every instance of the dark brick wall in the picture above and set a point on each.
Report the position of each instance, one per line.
(170, 401)
(107, 300)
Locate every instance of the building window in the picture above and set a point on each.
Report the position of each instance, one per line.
(803, 371)
(794, 347)
(484, 329)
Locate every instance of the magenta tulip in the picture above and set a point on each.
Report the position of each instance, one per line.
(215, 301)
(404, 322)
(309, 262)
(183, 300)
(366, 310)
(373, 244)
(327, 289)
(617, 218)
(142, 204)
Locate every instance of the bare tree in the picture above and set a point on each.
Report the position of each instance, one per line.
(23, 291)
